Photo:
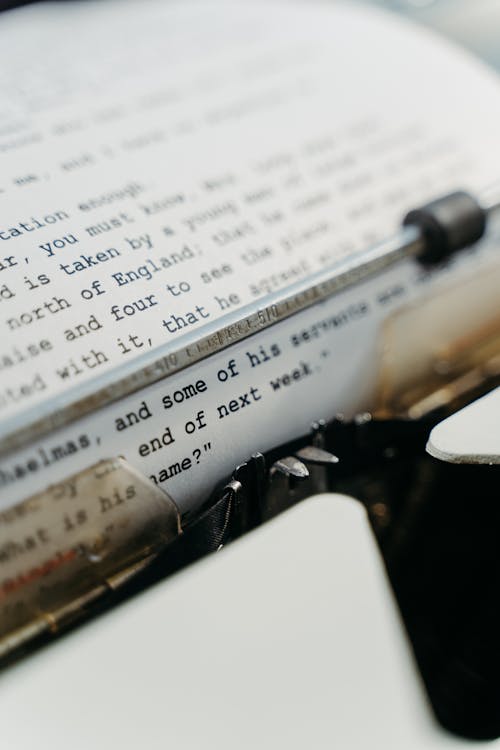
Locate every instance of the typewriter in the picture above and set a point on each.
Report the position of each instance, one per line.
(336, 584)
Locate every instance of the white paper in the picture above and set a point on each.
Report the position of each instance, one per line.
(164, 164)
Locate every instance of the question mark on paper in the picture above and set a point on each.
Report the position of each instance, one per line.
(197, 454)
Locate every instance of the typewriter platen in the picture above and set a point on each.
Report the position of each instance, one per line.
(436, 526)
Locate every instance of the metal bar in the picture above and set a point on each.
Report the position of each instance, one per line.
(212, 338)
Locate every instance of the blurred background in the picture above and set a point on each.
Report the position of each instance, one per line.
(473, 23)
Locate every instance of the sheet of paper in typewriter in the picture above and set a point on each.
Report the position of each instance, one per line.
(162, 165)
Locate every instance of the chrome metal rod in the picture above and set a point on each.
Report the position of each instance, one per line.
(191, 348)
(212, 338)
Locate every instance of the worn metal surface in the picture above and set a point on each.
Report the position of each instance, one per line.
(64, 548)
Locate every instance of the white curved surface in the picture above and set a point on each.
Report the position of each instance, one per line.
(289, 638)
(472, 435)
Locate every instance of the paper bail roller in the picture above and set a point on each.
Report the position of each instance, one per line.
(447, 225)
